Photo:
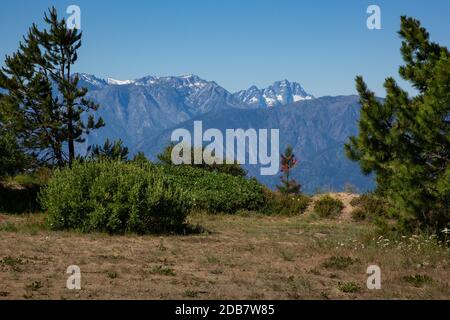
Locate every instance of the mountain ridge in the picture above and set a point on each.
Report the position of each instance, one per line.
(278, 93)
(149, 104)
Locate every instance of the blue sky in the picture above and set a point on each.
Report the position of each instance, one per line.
(321, 44)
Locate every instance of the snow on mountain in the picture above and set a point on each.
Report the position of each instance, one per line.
(186, 81)
(119, 82)
(91, 80)
(278, 94)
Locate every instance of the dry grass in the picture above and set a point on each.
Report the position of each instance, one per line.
(241, 257)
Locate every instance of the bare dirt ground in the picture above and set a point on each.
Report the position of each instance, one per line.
(238, 257)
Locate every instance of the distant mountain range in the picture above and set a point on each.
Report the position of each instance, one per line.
(136, 109)
(143, 113)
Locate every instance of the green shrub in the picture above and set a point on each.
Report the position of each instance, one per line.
(113, 197)
(38, 177)
(12, 263)
(369, 206)
(233, 169)
(359, 214)
(277, 203)
(214, 191)
(35, 285)
(165, 271)
(8, 227)
(339, 262)
(19, 194)
(418, 280)
(19, 198)
(349, 287)
(327, 207)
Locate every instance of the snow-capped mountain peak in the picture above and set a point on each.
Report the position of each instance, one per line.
(279, 93)
(119, 82)
(91, 80)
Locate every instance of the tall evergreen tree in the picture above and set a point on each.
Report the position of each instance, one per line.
(43, 102)
(405, 140)
(288, 162)
(12, 157)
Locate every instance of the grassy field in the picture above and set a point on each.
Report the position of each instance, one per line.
(245, 256)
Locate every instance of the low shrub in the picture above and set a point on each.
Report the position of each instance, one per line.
(113, 197)
(369, 206)
(328, 207)
(233, 169)
(215, 191)
(338, 262)
(38, 177)
(277, 203)
(161, 270)
(418, 280)
(19, 198)
(19, 194)
(349, 287)
(359, 214)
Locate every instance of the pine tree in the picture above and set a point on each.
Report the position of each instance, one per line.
(287, 163)
(110, 150)
(12, 157)
(42, 101)
(405, 140)
(140, 158)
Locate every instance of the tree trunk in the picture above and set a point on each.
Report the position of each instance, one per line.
(70, 137)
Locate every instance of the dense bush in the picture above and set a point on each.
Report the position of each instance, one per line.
(37, 177)
(277, 203)
(369, 206)
(12, 158)
(19, 194)
(359, 214)
(233, 169)
(141, 197)
(114, 197)
(18, 198)
(328, 207)
(215, 191)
